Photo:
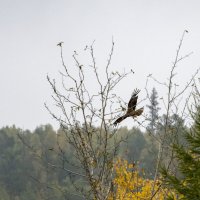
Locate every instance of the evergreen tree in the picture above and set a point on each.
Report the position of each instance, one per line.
(153, 111)
(187, 181)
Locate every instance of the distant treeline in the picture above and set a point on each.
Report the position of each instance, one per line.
(36, 165)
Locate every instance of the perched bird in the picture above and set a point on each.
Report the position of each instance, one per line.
(131, 110)
(60, 44)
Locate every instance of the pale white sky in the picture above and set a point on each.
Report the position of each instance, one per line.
(146, 34)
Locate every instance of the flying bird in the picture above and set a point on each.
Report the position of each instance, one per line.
(131, 110)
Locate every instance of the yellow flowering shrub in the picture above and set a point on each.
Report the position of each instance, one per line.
(130, 184)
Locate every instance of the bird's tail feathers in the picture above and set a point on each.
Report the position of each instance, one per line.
(120, 119)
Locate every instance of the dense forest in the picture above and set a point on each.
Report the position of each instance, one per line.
(36, 164)
(25, 174)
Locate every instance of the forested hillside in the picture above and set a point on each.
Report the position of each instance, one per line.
(33, 167)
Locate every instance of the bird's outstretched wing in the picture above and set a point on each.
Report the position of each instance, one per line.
(133, 101)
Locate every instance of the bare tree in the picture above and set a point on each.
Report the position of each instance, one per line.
(86, 117)
(175, 105)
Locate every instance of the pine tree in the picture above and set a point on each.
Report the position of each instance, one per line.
(153, 111)
(187, 182)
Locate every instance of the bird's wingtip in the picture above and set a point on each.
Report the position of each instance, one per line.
(136, 91)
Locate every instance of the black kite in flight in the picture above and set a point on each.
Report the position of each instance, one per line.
(131, 110)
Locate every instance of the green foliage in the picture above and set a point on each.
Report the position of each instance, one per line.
(139, 148)
(27, 165)
(3, 193)
(187, 181)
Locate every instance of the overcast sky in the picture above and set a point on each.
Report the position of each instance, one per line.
(146, 35)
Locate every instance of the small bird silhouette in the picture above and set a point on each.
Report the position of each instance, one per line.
(60, 44)
(131, 110)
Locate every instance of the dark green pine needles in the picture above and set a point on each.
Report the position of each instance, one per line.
(187, 183)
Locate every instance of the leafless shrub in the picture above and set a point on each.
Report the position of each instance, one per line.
(86, 118)
(175, 104)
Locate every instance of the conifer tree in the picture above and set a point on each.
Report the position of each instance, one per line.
(153, 111)
(187, 181)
